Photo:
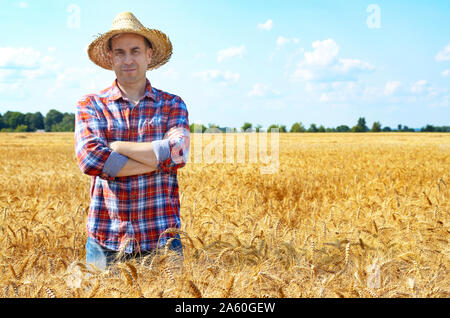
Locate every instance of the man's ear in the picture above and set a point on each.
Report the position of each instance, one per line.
(110, 57)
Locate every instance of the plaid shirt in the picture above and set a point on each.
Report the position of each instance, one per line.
(131, 211)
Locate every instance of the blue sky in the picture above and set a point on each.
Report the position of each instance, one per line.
(264, 62)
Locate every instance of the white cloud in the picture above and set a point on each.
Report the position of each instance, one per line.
(231, 52)
(325, 52)
(446, 73)
(372, 93)
(341, 92)
(317, 87)
(11, 87)
(199, 55)
(281, 41)
(304, 74)
(347, 65)
(443, 55)
(170, 73)
(323, 64)
(262, 90)
(80, 81)
(419, 87)
(23, 5)
(25, 63)
(391, 87)
(13, 58)
(268, 25)
(218, 76)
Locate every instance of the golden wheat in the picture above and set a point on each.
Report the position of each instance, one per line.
(346, 215)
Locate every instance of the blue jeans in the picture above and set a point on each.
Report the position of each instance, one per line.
(103, 258)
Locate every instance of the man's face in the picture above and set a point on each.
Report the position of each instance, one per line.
(130, 57)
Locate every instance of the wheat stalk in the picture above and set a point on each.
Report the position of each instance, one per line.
(50, 292)
(194, 289)
(229, 287)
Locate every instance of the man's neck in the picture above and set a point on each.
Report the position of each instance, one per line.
(134, 91)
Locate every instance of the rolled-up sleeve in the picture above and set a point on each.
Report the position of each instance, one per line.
(178, 147)
(92, 151)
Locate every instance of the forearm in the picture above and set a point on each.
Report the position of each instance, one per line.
(149, 153)
(133, 167)
(141, 152)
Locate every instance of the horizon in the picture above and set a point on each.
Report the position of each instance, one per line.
(324, 62)
(398, 127)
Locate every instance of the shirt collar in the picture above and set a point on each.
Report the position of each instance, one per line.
(116, 93)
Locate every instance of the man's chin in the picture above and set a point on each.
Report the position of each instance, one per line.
(129, 78)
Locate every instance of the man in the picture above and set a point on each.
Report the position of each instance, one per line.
(131, 138)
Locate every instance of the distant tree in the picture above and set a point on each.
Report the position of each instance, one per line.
(428, 128)
(404, 128)
(444, 128)
(321, 128)
(37, 121)
(283, 129)
(342, 128)
(197, 128)
(330, 129)
(313, 128)
(27, 121)
(387, 128)
(273, 127)
(53, 117)
(2, 125)
(34, 121)
(376, 127)
(246, 126)
(213, 126)
(21, 128)
(297, 127)
(360, 126)
(66, 124)
(13, 119)
(431, 128)
(258, 128)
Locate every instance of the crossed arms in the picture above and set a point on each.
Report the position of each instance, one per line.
(97, 157)
(143, 157)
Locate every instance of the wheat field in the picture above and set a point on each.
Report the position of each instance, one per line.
(345, 215)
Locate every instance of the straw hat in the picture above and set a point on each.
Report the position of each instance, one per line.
(126, 22)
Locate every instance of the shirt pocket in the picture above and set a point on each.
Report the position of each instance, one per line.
(153, 129)
(116, 132)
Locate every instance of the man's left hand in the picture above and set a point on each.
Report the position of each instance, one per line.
(174, 132)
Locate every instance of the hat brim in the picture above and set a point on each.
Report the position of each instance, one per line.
(98, 50)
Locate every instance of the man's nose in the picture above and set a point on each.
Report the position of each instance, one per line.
(128, 59)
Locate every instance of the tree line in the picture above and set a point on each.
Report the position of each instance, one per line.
(298, 127)
(53, 121)
(56, 121)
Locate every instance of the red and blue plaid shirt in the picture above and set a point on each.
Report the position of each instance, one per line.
(131, 212)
